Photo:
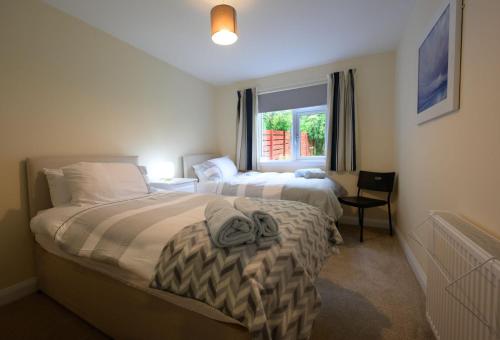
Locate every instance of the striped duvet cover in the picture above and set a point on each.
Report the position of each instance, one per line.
(321, 193)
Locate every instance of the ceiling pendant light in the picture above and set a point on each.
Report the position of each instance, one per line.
(224, 26)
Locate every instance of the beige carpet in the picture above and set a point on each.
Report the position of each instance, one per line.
(368, 292)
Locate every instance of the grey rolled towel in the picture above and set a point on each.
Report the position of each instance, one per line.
(228, 226)
(266, 224)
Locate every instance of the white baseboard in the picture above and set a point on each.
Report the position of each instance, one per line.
(368, 222)
(412, 260)
(18, 291)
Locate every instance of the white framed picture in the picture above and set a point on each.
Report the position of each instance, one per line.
(439, 64)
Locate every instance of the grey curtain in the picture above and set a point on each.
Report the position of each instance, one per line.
(341, 146)
(246, 142)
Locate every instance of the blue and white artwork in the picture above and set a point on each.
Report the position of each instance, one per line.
(433, 64)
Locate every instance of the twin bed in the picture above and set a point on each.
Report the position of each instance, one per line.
(321, 193)
(145, 267)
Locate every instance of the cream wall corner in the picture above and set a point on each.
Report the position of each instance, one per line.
(67, 88)
(453, 162)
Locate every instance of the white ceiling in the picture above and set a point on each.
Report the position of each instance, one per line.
(275, 35)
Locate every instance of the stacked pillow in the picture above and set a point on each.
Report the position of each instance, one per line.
(207, 172)
(94, 183)
(59, 191)
(216, 169)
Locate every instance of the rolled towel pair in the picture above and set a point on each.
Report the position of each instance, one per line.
(310, 173)
(244, 223)
(228, 226)
(265, 223)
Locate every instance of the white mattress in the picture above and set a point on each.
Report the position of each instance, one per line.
(45, 226)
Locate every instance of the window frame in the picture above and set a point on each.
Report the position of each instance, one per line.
(296, 115)
(295, 140)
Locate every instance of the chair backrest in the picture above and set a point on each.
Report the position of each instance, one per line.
(376, 181)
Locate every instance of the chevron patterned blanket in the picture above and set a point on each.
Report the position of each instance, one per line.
(268, 287)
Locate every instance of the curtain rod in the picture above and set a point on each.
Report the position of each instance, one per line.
(292, 87)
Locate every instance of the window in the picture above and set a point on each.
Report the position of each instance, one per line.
(276, 136)
(312, 130)
(292, 124)
(293, 134)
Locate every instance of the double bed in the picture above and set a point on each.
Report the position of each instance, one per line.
(106, 274)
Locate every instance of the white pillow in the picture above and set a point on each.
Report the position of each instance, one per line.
(226, 166)
(59, 191)
(207, 171)
(144, 173)
(93, 183)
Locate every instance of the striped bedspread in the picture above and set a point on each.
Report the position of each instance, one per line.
(131, 234)
(321, 193)
(268, 287)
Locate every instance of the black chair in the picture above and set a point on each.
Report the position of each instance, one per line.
(373, 181)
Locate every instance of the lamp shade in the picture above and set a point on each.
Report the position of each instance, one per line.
(224, 25)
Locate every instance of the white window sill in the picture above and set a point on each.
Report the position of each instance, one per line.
(292, 165)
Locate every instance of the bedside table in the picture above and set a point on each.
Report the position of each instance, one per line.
(176, 184)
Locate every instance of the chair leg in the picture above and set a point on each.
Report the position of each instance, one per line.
(361, 213)
(390, 217)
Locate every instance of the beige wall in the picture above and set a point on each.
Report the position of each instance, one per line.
(67, 88)
(375, 103)
(453, 162)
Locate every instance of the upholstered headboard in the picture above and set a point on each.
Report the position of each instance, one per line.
(38, 189)
(189, 160)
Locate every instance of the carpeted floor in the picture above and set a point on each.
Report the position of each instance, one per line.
(368, 292)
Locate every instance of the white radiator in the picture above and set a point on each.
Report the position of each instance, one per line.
(463, 280)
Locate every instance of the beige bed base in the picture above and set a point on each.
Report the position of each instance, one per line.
(119, 310)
